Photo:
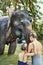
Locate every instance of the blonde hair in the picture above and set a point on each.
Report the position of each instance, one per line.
(33, 34)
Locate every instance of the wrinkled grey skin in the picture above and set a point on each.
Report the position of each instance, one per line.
(9, 32)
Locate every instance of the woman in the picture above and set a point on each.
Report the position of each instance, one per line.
(36, 50)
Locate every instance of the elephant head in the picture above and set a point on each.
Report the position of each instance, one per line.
(20, 24)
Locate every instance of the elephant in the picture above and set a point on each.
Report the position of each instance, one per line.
(17, 28)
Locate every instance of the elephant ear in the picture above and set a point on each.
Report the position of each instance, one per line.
(3, 24)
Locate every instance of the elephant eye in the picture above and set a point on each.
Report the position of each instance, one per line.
(20, 30)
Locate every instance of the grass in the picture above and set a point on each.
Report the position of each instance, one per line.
(11, 59)
(8, 60)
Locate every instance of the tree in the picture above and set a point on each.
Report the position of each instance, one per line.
(39, 29)
(28, 5)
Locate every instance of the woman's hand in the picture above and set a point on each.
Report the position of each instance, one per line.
(30, 54)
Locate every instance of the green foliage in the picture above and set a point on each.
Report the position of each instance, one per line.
(38, 27)
(4, 4)
(27, 5)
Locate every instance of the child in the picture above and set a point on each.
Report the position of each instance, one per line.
(22, 56)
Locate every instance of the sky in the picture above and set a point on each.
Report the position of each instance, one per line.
(41, 5)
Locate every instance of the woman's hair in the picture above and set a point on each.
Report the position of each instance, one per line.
(23, 46)
(33, 34)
